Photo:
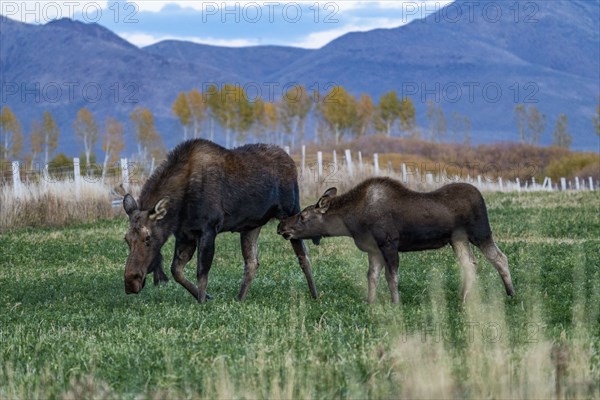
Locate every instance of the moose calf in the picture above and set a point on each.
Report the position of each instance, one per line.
(384, 218)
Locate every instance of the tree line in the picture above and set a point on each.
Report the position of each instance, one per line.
(337, 116)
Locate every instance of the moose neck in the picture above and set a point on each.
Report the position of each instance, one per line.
(335, 217)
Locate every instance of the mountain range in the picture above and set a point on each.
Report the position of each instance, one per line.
(478, 64)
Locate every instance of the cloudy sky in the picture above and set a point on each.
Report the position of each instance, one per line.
(309, 24)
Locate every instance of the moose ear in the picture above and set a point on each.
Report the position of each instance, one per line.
(160, 209)
(120, 190)
(129, 204)
(324, 201)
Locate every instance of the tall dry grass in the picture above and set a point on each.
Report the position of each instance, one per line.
(54, 204)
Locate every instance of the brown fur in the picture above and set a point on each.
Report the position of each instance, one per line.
(384, 218)
(203, 189)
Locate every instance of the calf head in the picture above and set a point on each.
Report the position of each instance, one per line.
(310, 223)
(145, 237)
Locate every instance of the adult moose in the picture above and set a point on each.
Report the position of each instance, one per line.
(203, 189)
(384, 218)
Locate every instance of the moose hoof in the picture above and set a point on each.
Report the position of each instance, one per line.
(208, 297)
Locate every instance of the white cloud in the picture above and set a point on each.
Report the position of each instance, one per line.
(141, 39)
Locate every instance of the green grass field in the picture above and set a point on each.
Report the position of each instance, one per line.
(67, 329)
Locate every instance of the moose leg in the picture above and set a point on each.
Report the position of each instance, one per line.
(498, 259)
(465, 255)
(184, 250)
(376, 263)
(249, 241)
(206, 252)
(302, 254)
(390, 254)
(157, 270)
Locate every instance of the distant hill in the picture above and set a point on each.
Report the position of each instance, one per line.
(252, 64)
(551, 56)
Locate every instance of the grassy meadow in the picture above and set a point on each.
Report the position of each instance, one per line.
(67, 329)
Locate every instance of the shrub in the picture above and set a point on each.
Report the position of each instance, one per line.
(575, 164)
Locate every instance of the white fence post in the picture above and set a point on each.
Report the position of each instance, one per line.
(320, 164)
(360, 162)
(349, 162)
(335, 166)
(46, 175)
(429, 178)
(577, 183)
(125, 173)
(518, 183)
(533, 184)
(376, 163)
(563, 184)
(591, 180)
(479, 181)
(404, 175)
(303, 168)
(287, 149)
(16, 179)
(77, 176)
(500, 184)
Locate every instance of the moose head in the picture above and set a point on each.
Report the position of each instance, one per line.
(310, 223)
(145, 237)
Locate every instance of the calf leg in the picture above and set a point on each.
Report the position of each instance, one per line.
(184, 250)
(465, 255)
(498, 259)
(249, 242)
(390, 254)
(376, 263)
(302, 254)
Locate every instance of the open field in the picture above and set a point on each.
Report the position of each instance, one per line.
(68, 330)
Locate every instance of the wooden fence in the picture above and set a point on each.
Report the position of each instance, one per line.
(347, 168)
(410, 173)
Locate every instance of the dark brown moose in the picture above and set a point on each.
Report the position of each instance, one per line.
(203, 189)
(384, 218)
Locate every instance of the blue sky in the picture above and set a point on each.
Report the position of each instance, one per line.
(309, 24)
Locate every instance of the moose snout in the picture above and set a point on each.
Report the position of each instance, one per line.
(284, 231)
(134, 286)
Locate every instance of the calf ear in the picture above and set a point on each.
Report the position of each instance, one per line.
(129, 204)
(160, 209)
(120, 190)
(323, 203)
